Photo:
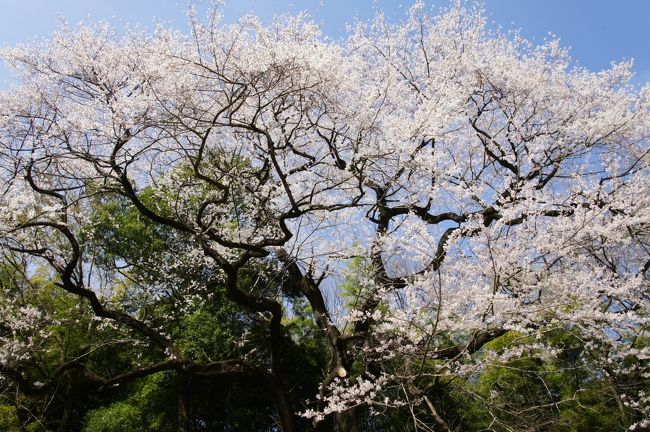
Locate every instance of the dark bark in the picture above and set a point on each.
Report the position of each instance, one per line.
(64, 424)
(281, 401)
(346, 421)
(184, 423)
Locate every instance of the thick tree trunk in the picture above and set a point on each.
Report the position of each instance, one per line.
(339, 422)
(346, 421)
(285, 413)
(64, 424)
(183, 404)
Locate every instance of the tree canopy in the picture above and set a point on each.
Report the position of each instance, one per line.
(429, 225)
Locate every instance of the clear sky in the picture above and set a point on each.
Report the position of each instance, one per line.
(598, 31)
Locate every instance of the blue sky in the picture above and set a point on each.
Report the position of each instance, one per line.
(598, 31)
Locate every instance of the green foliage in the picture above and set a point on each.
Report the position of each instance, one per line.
(352, 285)
(552, 394)
(147, 409)
(117, 417)
(118, 231)
(9, 421)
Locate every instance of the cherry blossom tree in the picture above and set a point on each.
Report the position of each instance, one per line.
(487, 186)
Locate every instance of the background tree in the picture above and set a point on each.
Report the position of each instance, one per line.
(494, 197)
